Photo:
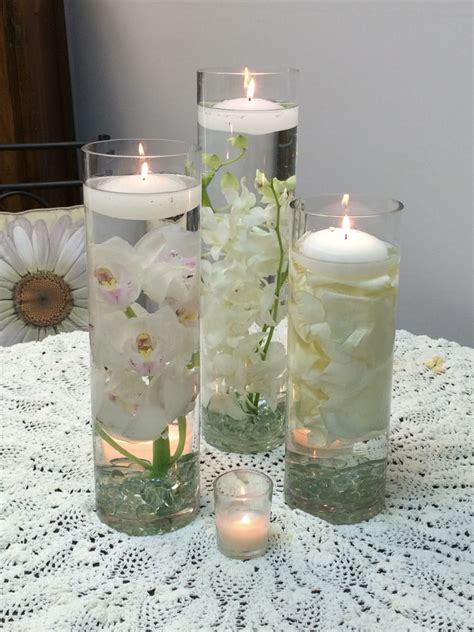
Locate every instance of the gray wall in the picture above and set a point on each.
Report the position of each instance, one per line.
(386, 108)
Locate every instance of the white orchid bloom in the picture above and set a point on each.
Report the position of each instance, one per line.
(131, 409)
(116, 273)
(120, 405)
(169, 257)
(215, 230)
(226, 404)
(145, 343)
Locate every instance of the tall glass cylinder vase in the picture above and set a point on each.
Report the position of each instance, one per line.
(247, 124)
(344, 262)
(142, 202)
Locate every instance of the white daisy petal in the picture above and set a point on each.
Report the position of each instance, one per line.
(7, 274)
(43, 333)
(81, 292)
(19, 220)
(12, 333)
(5, 294)
(24, 248)
(40, 241)
(77, 268)
(70, 252)
(10, 255)
(81, 302)
(68, 325)
(4, 322)
(58, 236)
(78, 282)
(31, 333)
(80, 317)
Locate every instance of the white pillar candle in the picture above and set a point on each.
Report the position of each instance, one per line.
(242, 530)
(142, 197)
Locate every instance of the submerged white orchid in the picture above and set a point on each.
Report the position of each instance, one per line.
(144, 342)
(116, 273)
(145, 311)
(130, 408)
(169, 259)
(43, 282)
(244, 271)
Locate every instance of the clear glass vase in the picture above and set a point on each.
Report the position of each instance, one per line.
(142, 202)
(344, 264)
(247, 124)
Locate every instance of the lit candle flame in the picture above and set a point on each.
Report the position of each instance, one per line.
(345, 200)
(251, 89)
(144, 170)
(246, 78)
(141, 151)
(245, 519)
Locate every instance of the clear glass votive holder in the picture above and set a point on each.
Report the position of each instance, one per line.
(242, 501)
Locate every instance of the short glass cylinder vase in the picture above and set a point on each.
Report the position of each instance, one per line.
(247, 127)
(142, 201)
(344, 264)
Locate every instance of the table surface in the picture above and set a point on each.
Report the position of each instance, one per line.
(406, 569)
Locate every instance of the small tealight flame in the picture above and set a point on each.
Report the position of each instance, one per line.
(251, 89)
(144, 170)
(345, 200)
(141, 151)
(246, 78)
(346, 225)
(245, 519)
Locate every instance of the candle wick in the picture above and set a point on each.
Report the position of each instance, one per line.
(250, 98)
(345, 235)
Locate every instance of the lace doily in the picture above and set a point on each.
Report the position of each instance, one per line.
(406, 569)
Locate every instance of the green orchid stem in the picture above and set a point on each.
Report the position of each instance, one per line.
(205, 199)
(181, 438)
(129, 313)
(162, 459)
(209, 177)
(161, 455)
(116, 446)
(280, 280)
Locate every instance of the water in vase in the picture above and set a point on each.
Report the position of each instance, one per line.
(144, 319)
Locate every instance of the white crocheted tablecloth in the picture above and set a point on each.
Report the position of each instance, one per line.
(406, 569)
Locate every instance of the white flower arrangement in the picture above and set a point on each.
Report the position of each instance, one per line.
(144, 310)
(244, 270)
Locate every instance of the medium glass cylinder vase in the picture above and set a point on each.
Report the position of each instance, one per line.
(142, 202)
(247, 124)
(344, 263)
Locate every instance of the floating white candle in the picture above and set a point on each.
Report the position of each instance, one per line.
(326, 251)
(142, 197)
(248, 115)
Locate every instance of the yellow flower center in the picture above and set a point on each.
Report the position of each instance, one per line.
(105, 277)
(186, 315)
(144, 344)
